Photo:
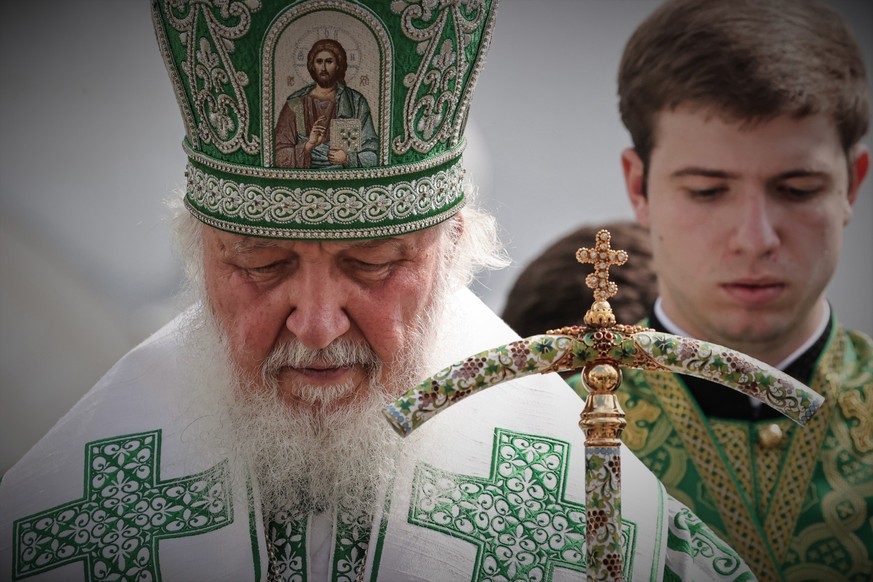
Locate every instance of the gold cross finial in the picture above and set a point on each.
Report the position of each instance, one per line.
(602, 257)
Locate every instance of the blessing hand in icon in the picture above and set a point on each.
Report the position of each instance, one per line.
(317, 135)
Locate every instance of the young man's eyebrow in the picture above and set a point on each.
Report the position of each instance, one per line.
(801, 173)
(702, 172)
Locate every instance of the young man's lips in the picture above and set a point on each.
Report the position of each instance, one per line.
(753, 292)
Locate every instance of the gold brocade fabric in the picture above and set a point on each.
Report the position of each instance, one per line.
(795, 502)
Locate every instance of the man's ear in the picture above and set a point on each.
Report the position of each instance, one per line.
(859, 164)
(634, 180)
(457, 228)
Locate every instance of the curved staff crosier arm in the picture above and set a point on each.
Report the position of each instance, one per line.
(600, 349)
(573, 348)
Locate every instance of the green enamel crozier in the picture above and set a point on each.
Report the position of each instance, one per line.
(600, 349)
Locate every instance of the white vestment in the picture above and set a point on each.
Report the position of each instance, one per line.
(493, 488)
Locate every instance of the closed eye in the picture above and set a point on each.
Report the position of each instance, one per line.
(706, 193)
(369, 267)
(266, 270)
(799, 194)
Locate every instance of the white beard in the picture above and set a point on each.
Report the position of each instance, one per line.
(308, 459)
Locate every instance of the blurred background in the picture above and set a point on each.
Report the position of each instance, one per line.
(90, 146)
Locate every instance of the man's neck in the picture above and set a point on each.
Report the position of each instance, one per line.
(324, 93)
(780, 357)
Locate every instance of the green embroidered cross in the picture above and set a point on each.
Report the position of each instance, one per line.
(114, 529)
(519, 518)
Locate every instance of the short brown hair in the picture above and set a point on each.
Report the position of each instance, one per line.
(749, 60)
(334, 48)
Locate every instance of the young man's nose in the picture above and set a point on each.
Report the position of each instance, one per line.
(755, 230)
(318, 313)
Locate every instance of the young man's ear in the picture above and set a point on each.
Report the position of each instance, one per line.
(858, 166)
(634, 180)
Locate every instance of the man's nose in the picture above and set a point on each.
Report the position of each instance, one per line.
(756, 230)
(318, 312)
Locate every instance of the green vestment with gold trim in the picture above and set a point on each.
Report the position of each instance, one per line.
(800, 509)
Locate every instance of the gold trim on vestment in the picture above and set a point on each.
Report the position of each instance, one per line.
(803, 454)
(736, 511)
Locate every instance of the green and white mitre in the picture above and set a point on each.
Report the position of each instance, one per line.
(126, 487)
(243, 72)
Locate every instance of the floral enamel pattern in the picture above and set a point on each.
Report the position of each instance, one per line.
(453, 384)
(628, 346)
(602, 477)
(115, 528)
(732, 369)
(518, 517)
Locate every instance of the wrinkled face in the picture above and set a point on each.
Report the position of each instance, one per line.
(268, 293)
(746, 224)
(324, 67)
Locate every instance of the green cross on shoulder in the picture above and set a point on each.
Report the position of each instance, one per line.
(114, 529)
(518, 517)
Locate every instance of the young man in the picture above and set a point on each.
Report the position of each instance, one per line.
(746, 118)
(245, 440)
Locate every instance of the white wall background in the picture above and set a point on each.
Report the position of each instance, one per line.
(90, 145)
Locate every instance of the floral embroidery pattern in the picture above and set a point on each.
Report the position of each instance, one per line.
(286, 539)
(444, 31)
(318, 205)
(286, 536)
(350, 551)
(207, 31)
(859, 409)
(114, 529)
(518, 517)
(689, 535)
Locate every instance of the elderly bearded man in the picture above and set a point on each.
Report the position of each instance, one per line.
(244, 441)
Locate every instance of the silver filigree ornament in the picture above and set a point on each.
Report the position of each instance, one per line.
(399, 200)
(216, 86)
(430, 111)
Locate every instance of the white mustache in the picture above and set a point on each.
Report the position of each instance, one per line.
(341, 353)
